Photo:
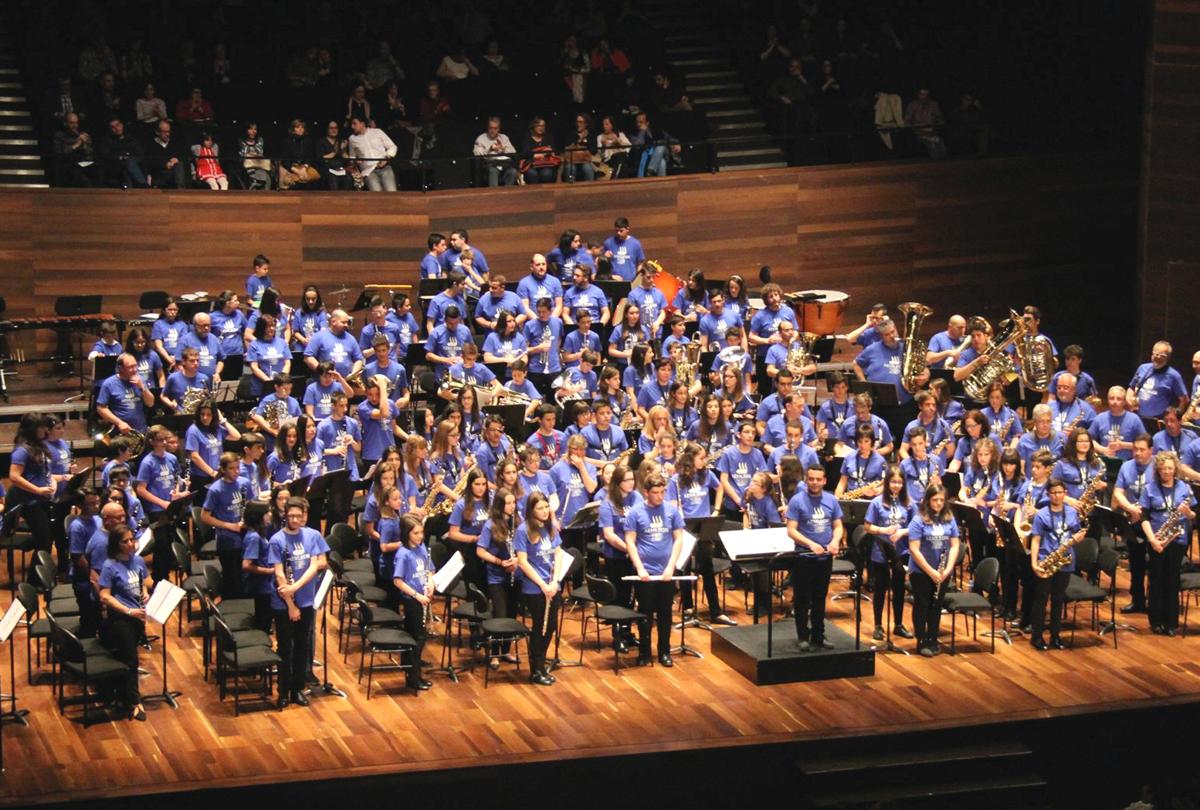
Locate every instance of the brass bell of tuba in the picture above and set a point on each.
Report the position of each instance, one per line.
(912, 357)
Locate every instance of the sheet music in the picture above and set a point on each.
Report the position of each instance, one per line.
(686, 548)
(444, 577)
(144, 541)
(163, 601)
(562, 564)
(679, 578)
(11, 616)
(756, 542)
(322, 589)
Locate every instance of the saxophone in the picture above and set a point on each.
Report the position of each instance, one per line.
(1193, 409)
(997, 365)
(447, 506)
(1026, 524)
(856, 494)
(1088, 500)
(912, 356)
(1067, 428)
(1056, 559)
(1037, 361)
(1171, 527)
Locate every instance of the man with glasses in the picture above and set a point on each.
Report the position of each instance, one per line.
(297, 554)
(497, 152)
(1156, 386)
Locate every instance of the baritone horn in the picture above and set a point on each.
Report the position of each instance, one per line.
(912, 357)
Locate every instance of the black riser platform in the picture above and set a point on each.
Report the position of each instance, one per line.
(745, 649)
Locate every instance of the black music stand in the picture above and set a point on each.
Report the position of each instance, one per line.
(103, 367)
(74, 483)
(706, 530)
(883, 394)
(364, 300)
(430, 287)
(321, 488)
(232, 367)
(414, 355)
(14, 713)
(190, 309)
(327, 686)
(167, 695)
(775, 563)
(298, 487)
(892, 558)
(614, 291)
(513, 416)
(73, 306)
(1008, 533)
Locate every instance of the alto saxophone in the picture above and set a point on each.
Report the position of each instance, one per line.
(855, 494)
(1088, 500)
(1058, 558)
(1172, 527)
(1026, 524)
(447, 506)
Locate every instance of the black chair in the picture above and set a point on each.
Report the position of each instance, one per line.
(13, 542)
(234, 660)
(37, 629)
(1189, 585)
(607, 614)
(380, 616)
(381, 633)
(496, 631)
(89, 670)
(44, 578)
(973, 602)
(1080, 590)
(43, 557)
(210, 613)
(205, 538)
(345, 540)
(193, 584)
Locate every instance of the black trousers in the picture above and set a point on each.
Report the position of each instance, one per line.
(503, 596)
(539, 641)
(927, 609)
(1018, 577)
(708, 578)
(655, 599)
(58, 533)
(810, 587)
(263, 615)
(1163, 597)
(1054, 589)
(293, 642)
(231, 571)
(89, 613)
(616, 568)
(121, 635)
(414, 625)
(1138, 549)
(887, 578)
(162, 560)
(36, 513)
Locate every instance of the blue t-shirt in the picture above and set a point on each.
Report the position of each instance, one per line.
(343, 351)
(814, 515)
(124, 400)
(208, 445)
(576, 341)
(613, 518)
(590, 298)
(569, 485)
(169, 332)
(329, 433)
(538, 482)
(919, 474)
(539, 552)
(308, 323)
(257, 549)
(883, 434)
(296, 552)
(431, 266)
(1030, 443)
(446, 342)
(1157, 501)
(209, 349)
(605, 445)
(226, 501)
(160, 476)
(413, 566)
(1156, 389)
(1106, 428)
(255, 287)
(271, 356)
(435, 312)
(1053, 530)
(489, 305)
(497, 548)
(531, 290)
(765, 323)
(933, 541)
(881, 363)
(627, 254)
(126, 580)
(655, 539)
(650, 302)
(390, 330)
(741, 467)
(83, 528)
(378, 433)
(178, 384)
(470, 524)
(567, 262)
(451, 259)
(229, 330)
(538, 332)
(714, 328)
(1076, 475)
(891, 513)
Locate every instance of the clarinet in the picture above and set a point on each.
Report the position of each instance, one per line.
(508, 545)
(426, 616)
(549, 602)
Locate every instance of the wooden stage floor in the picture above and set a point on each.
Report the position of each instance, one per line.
(589, 712)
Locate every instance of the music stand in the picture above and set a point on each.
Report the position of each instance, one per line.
(883, 394)
(705, 530)
(587, 516)
(104, 367)
(364, 300)
(513, 416)
(430, 287)
(298, 487)
(189, 309)
(614, 291)
(414, 355)
(74, 483)
(232, 367)
(73, 306)
(952, 481)
(322, 487)
(1008, 533)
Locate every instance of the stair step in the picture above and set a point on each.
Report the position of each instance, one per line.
(702, 98)
(23, 185)
(748, 167)
(904, 758)
(6, 158)
(21, 172)
(690, 51)
(966, 787)
(12, 99)
(761, 151)
(8, 71)
(700, 75)
(736, 112)
(14, 113)
(695, 88)
(18, 142)
(742, 125)
(710, 61)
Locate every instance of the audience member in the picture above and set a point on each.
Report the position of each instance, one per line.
(371, 149)
(164, 159)
(150, 109)
(652, 156)
(121, 158)
(296, 158)
(539, 160)
(254, 162)
(925, 117)
(194, 109)
(498, 154)
(578, 152)
(332, 152)
(206, 155)
(73, 154)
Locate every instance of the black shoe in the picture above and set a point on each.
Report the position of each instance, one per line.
(421, 685)
(1171, 632)
(878, 634)
(621, 646)
(1038, 643)
(1157, 629)
(902, 631)
(665, 660)
(1133, 607)
(312, 680)
(927, 652)
(1057, 644)
(644, 661)
(300, 699)
(138, 714)
(805, 646)
(282, 702)
(540, 678)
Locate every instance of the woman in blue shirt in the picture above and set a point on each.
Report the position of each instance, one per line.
(862, 471)
(412, 576)
(653, 537)
(268, 355)
(692, 490)
(538, 549)
(149, 364)
(258, 577)
(124, 591)
(467, 520)
(887, 521)
(495, 551)
(203, 443)
(1160, 497)
(620, 497)
(166, 333)
(29, 473)
(627, 335)
(692, 299)
(933, 551)
(309, 318)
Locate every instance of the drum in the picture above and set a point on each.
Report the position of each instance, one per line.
(821, 311)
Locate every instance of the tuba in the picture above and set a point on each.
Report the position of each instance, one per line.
(912, 357)
(998, 365)
(800, 354)
(1036, 356)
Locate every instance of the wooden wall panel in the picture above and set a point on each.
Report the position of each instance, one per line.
(961, 236)
(1170, 238)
